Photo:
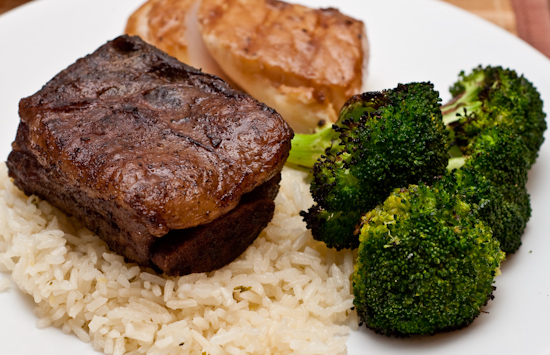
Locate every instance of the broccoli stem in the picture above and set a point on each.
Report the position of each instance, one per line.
(456, 163)
(465, 102)
(465, 99)
(307, 148)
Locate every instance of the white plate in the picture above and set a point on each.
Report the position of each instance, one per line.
(417, 40)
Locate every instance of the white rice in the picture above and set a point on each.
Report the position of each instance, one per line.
(286, 294)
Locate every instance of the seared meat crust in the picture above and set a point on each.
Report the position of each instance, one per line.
(139, 142)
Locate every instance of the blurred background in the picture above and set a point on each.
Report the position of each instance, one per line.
(527, 19)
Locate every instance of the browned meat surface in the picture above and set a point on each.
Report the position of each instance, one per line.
(137, 144)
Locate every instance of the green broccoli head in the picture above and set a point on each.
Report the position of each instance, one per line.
(338, 229)
(493, 180)
(500, 155)
(506, 215)
(493, 96)
(387, 139)
(509, 223)
(425, 263)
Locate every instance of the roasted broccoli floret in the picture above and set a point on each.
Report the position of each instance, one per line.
(338, 229)
(493, 96)
(493, 177)
(496, 121)
(387, 139)
(426, 264)
(384, 140)
(428, 254)
(430, 239)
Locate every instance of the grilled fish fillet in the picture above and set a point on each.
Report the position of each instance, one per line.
(303, 62)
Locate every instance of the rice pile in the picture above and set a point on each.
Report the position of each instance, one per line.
(286, 294)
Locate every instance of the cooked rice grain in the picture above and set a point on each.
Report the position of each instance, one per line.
(285, 294)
